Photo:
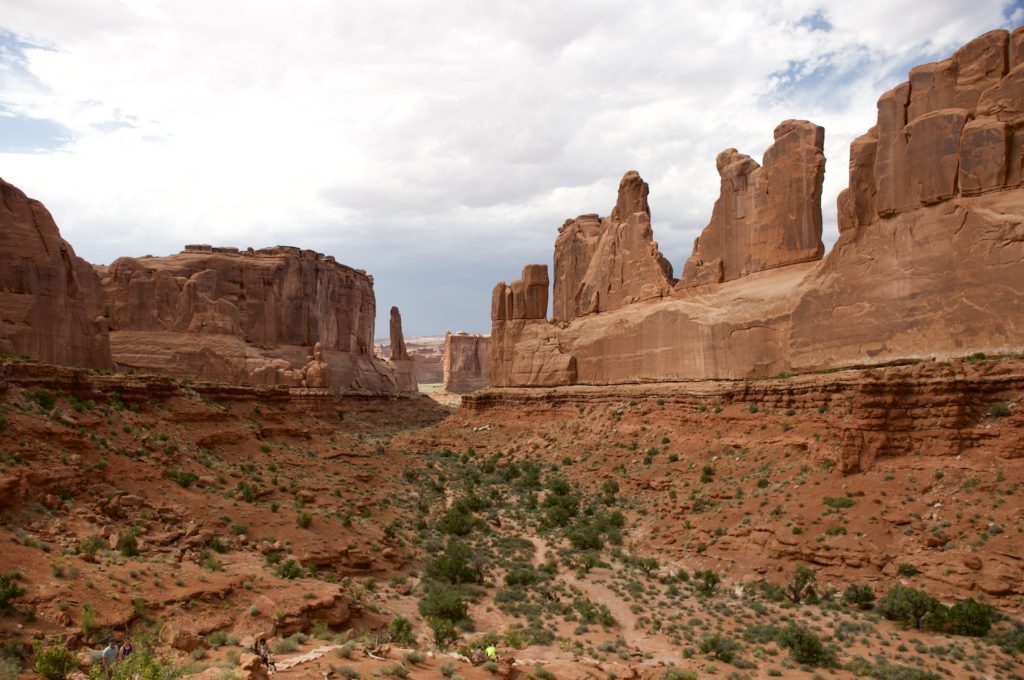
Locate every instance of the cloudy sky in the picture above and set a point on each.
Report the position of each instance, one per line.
(438, 145)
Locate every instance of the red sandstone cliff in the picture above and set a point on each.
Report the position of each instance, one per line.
(467, 362)
(602, 264)
(246, 317)
(765, 216)
(929, 263)
(50, 299)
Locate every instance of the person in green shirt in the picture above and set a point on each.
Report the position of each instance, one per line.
(492, 653)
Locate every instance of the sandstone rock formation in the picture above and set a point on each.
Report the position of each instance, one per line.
(398, 351)
(405, 371)
(244, 316)
(766, 216)
(316, 372)
(50, 299)
(930, 257)
(929, 263)
(604, 263)
(467, 362)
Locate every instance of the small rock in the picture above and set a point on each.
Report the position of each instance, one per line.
(972, 562)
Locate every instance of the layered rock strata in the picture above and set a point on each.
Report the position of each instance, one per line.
(929, 262)
(249, 317)
(467, 362)
(50, 299)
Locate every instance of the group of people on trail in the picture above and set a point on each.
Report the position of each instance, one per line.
(482, 655)
(115, 652)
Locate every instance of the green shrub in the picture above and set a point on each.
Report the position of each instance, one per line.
(395, 670)
(9, 668)
(10, 589)
(1000, 410)
(455, 565)
(400, 631)
(443, 603)
(721, 647)
(443, 630)
(802, 585)
(347, 672)
(290, 569)
(676, 674)
(128, 545)
(907, 570)
(707, 582)
(805, 647)
(859, 595)
(969, 617)
(447, 669)
(913, 608)
(182, 478)
(457, 521)
(54, 661)
(303, 519)
(838, 503)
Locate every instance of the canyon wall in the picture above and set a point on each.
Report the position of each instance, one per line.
(50, 299)
(929, 261)
(467, 362)
(250, 317)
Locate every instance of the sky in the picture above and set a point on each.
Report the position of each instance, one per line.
(437, 145)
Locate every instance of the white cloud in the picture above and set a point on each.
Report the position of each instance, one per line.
(417, 138)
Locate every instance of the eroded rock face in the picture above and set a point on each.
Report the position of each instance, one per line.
(50, 299)
(766, 216)
(929, 262)
(244, 316)
(602, 264)
(467, 362)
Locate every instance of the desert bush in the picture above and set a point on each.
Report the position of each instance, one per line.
(443, 603)
(455, 565)
(54, 661)
(400, 631)
(801, 586)
(859, 595)
(913, 608)
(969, 617)
(290, 569)
(1000, 410)
(9, 668)
(10, 589)
(443, 630)
(721, 647)
(707, 582)
(805, 647)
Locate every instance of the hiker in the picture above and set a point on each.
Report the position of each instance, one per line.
(126, 649)
(264, 653)
(110, 655)
(492, 653)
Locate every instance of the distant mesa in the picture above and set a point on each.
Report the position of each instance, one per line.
(274, 316)
(929, 261)
(467, 362)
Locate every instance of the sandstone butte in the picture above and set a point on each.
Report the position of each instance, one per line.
(467, 362)
(247, 317)
(929, 262)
